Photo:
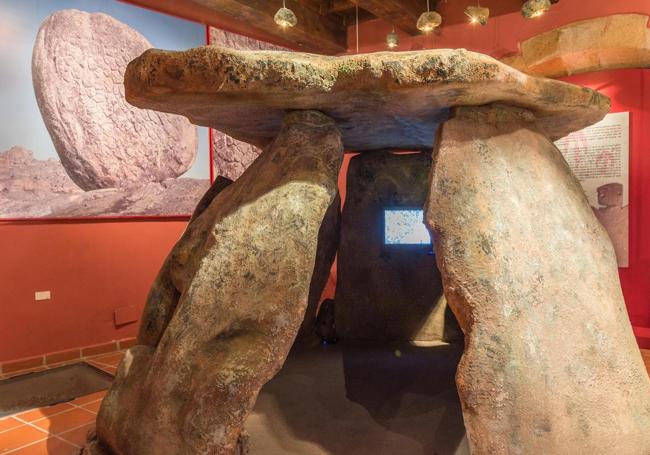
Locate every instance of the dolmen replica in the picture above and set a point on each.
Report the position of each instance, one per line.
(550, 364)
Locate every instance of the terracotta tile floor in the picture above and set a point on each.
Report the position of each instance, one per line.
(62, 429)
(55, 430)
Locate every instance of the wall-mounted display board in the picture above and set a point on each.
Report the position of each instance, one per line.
(599, 158)
(70, 144)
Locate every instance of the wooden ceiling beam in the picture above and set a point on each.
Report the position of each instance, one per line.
(336, 6)
(403, 14)
(314, 32)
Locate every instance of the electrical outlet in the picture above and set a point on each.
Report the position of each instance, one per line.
(42, 295)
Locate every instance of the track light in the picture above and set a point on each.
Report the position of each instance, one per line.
(392, 40)
(477, 14)
(535, 8)
(429, 20)
(285, 17)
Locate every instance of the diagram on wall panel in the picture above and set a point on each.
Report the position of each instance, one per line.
(599, 158)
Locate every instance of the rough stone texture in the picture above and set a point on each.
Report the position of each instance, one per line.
(615, 217)
(617, 41)
(380, 100)
(328, 243)
(550, 364)
(78, 66)
(227, 303)
(387, 293)
(169, 197)
(31, 188)
(232, 157)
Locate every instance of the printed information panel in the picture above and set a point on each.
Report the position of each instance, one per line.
(599, 157)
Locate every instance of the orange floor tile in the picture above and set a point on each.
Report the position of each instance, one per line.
(65, 421)
(86, 399)
(39, 413)
(51, 446)
(19, 437)
(8, 423)
(78, 436)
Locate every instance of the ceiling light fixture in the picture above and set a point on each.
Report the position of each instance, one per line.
(429, 20)
(477, 14)
(392, 40)
(285, 17)
(535, 8)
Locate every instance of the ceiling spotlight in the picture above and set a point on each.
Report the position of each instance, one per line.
(535, 8)
(429, 20)
(392, 40)
(285, 17)
(477, 14)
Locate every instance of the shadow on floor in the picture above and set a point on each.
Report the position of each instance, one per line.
(361, 399)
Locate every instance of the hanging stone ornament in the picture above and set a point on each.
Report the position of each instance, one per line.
(477, 14)
(429, 21)
(535, 8)
(285, 17)
(392, 40)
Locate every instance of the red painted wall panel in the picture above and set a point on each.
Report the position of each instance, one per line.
(91, 268)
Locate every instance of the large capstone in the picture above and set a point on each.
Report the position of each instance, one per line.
(78, 67)
(392, 100)
(231, 156)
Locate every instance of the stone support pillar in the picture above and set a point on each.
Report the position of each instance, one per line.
(228, 303)
(550, 364)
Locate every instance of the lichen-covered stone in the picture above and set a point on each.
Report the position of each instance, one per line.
(227, 304)
(78, 66)
(598, 44)
(380, 100)
(232, 157)
(551, 365)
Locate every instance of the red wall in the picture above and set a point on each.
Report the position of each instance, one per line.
(629, 91)
(92, 268)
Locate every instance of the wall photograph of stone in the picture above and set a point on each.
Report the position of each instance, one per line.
(71, 146)
(231, 157)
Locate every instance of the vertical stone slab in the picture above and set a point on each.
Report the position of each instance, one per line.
(550, 365)
(328, 243)
(387, 293)
(233, 295)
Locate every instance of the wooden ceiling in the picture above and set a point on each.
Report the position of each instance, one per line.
(322, 24)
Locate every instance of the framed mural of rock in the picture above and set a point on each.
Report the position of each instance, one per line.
(70, 144)
(231, 157)
(599, 157)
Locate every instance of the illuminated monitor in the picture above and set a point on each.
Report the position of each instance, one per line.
(405, 227)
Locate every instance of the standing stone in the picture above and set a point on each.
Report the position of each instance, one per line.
(328, 243)
(550, 364)
(227, 305)
(387, 293)
(78, 66)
